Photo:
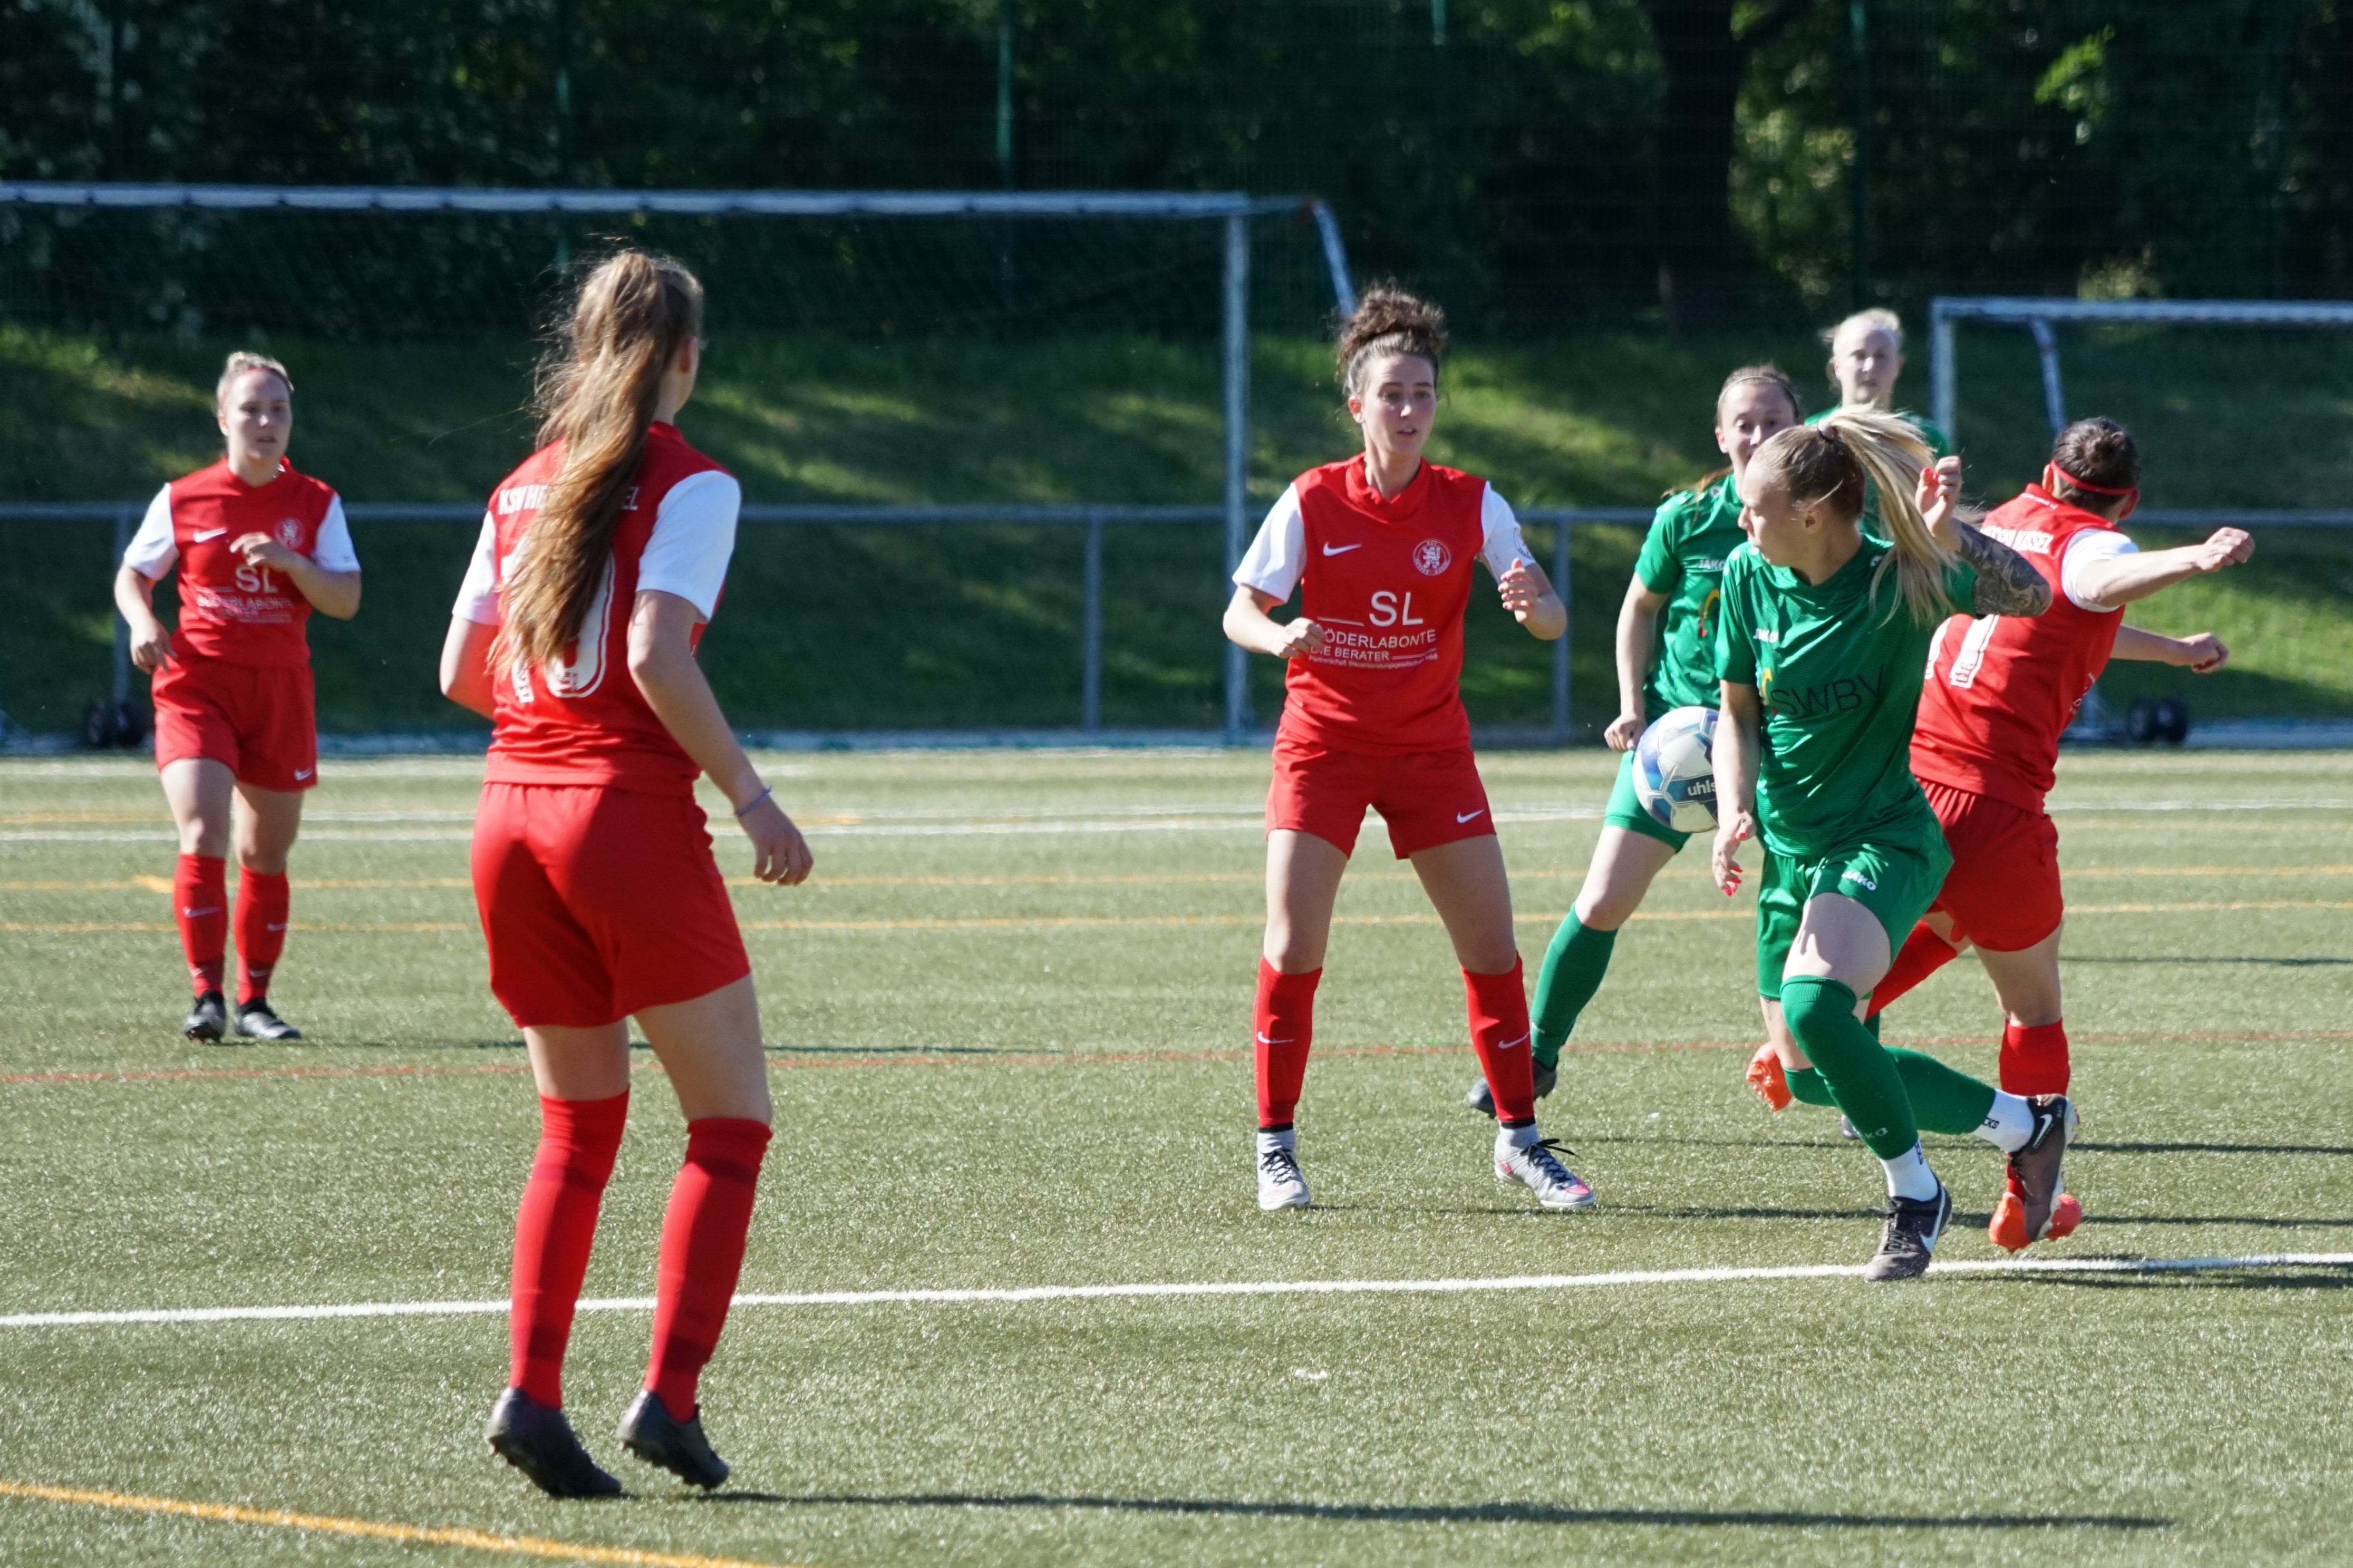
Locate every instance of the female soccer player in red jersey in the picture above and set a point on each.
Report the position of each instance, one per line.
(600, 561)
(2001, 690)
(258, 547)
(1666, 659)
(1380, 546)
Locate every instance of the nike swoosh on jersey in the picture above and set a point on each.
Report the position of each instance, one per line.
(1342, 549)
(1461, 816)
(204, 534)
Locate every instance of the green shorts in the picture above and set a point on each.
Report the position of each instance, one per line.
(1625, 809)
(1896, 882)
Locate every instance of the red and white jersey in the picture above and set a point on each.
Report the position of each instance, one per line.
(230, 610)
(1388, 580)
(581, 720)
(2000, 689)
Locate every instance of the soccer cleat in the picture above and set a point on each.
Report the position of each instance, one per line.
(1537, 1167)
(1768, 1078)
(255, 1021)
(1280, 1184)
(1913, 1227)
(2008, 1229)
(652, 1433)
(1847, 1129)
(537, 1439)
(208, 1019)
(2034, 1192)
(1482, 1100)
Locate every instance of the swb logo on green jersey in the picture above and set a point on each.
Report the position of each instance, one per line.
(1843, 695)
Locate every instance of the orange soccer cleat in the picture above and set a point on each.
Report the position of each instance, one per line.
(1766, 1077)
(2007, 1229)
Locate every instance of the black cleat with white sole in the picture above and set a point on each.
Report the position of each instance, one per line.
(207, 1020)
(652, 1433)
(255, 1021)
(1913, 1227)
(1481, 1099)
(537, 1439)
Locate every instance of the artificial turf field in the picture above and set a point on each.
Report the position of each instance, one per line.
(1008, 1019)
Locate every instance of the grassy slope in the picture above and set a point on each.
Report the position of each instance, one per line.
(836, 627)
(1001, 1103)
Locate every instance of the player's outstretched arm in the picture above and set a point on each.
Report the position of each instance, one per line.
(2201, 653)
(1734, 753)
(1527, 593)
(662, 663)
(2122, 579)
(1638, 621)
(1248, 625)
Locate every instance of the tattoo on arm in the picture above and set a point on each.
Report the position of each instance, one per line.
(2008, 583)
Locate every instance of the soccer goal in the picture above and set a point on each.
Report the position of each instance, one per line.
(819, 285)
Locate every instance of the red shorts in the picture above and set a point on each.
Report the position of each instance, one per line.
(1428, 798)
(599, 902)
(2003, 890)
(259, 721)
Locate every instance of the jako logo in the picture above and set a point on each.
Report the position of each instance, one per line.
(1431, 557)
(1855, 875)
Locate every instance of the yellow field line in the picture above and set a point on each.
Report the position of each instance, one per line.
(406, 1535)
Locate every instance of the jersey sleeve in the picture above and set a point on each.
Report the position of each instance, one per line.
(694, 539)
(152, 549)
(1659, 565)
(334, 552)
(1500, 545)
(2086, 551)
(1278, 556)
(478, 595)
(1735, 644)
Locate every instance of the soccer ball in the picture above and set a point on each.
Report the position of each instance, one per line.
(1675, 774)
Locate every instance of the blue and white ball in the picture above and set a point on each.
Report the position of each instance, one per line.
(1674, 770)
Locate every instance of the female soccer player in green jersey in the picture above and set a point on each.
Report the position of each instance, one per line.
(1669, 613)
(1866, 359)
(1824, 633)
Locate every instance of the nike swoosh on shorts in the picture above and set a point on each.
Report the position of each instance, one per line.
(1341, 549)
(1461, 816)
(302, 772)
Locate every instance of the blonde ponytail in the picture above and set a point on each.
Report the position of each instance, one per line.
(1834, 463)
(597, 389)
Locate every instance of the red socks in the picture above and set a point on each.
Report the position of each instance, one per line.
(1283, 1022)
(578, 1140)
(200, 903)
(702, 1252)
(1499, 1033)
(261, 903)
(2034, 1059)
(1924, 953)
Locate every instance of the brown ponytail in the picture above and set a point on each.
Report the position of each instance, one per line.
(1388, 320)
(1832, 464)
(597, 388)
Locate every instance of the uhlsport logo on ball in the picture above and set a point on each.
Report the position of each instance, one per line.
(1674, 770)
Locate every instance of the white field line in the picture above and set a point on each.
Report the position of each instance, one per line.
(1017, 1295)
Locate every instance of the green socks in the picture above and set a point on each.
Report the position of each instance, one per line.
(1820, 1014)
(1573, 967)
(1943, 1101)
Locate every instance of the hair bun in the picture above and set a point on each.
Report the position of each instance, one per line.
(1389, 318)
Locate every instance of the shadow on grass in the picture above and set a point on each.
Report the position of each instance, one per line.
(2272, 963)
(2314, 1279)
(2214, 1148)
(1462, 1513)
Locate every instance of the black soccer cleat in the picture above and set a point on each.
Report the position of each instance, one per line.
(652, 1433)
(1913, 1227)
(1481, 1099)
(255, 1021)
(207, 1020)
(2036, 1166)
(537, 1439)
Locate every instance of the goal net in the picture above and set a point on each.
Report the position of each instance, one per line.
(2238, 407)
(875, 354)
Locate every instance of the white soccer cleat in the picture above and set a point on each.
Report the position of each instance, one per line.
(1280, 1184)
(1521, 1156)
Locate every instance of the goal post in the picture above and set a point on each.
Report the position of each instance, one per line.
(395, 262)
(2041, 317)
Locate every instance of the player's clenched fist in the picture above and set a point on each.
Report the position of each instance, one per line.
(1301, 639)
(2225, 547)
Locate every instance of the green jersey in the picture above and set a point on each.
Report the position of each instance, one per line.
(1838, 671)
(1695, 533)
